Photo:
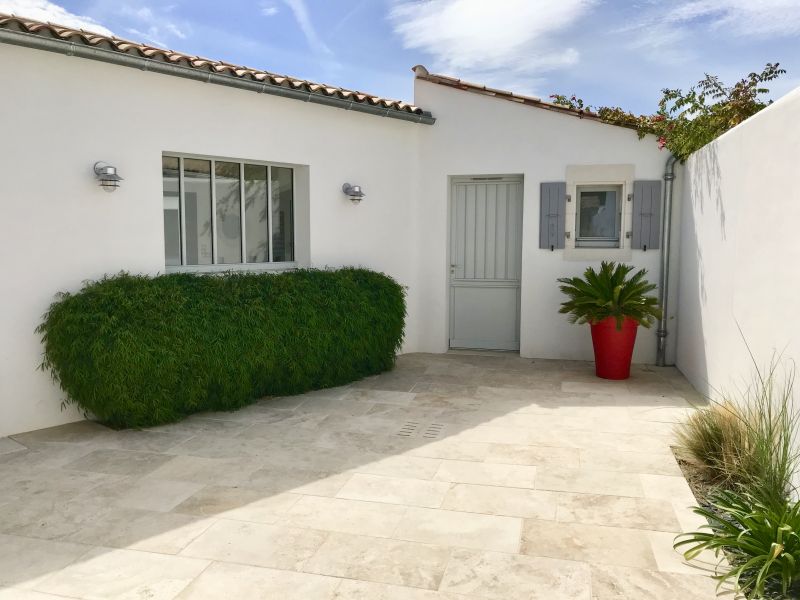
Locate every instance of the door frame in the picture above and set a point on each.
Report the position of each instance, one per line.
(452, 180)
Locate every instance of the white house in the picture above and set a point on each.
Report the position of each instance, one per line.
(476, 199)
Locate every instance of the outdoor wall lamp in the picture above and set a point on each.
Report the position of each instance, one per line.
(354, 192)
(107, 176)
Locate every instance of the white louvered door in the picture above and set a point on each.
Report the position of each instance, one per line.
(485, 263)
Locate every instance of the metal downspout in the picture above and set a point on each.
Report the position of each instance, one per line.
(663, 280)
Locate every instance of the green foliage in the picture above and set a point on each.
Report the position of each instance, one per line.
(137, 351)
(716, 439)
(747, 440)
(610, 293)
(687, 121)
(760, 541)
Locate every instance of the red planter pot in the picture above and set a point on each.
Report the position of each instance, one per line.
(613, 348)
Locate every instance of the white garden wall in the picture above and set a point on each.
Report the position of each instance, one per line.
(740, 261)
(62, 114)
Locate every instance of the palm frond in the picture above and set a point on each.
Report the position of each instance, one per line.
(610, 292)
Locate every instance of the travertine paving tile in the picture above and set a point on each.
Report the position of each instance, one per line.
(588, 481)
(414, 467)
(23, 561)
(80, 432)
(43, 455)
(450, 449)
(617, 511)
(47, 517)
(166, 533)
(297, 481)
(19, 594)
(667, 487)
(410, 492)
(467, 530)
(589, 543)
(239, 504)
(379, 396)
(256, 544)
(494, 575)
(350, 589)
(510, 502)
(616, 583)
(345, 516)
(380, 560)
(105, 574)
(516, 454)
(119, 462)
(208, 471)
(521, 476)
(27, 485)
(157, 494)
(8, 445)
(323, 483)
(242, 582)
(629, 462)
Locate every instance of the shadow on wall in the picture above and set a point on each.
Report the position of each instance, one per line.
(274, 469)
(702, 186)
(706, 182)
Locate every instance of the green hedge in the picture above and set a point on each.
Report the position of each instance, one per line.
(136, 351)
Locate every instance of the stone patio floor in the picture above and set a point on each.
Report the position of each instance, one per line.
(454, 477)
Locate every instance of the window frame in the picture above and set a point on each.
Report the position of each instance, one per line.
(614, 242)
(270, 265)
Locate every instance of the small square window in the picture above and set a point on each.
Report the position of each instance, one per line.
(599, 216)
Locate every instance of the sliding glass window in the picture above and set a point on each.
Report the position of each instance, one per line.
(221, 212)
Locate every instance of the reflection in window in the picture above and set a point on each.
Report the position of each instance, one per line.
(282, 214)
(599, 216)
(192, 237)
(229, 212)
(172, 210)
(255, 213)
(197, 207)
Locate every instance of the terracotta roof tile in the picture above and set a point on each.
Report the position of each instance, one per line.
(423, 74)
(29, 26)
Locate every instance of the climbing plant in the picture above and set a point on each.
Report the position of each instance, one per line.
(687, 121)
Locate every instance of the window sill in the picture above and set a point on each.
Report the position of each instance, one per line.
(274, 267)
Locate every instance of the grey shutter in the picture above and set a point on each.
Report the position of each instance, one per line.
(646, 215)
(552, 212)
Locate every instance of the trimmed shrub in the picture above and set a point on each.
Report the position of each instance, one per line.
(137, 351)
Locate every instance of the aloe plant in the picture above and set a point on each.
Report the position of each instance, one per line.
(610, 293)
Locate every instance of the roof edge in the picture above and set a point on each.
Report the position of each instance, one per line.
(355, 101)
(423, 74)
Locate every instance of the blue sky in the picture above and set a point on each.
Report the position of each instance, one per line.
(606, 51)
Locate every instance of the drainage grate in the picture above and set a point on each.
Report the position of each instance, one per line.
(409, 429)
(433, 431)
(429, 431)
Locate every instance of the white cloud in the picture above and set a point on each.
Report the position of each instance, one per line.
(268, 8)
(482, 37)
(751, 18)
(301, 15)
(42, 10)
(679, 32)
(155, 27)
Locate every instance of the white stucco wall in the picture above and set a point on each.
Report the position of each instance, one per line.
(61, 114)
(480, 135)
(741, 257)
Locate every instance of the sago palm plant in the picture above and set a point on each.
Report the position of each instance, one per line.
(610, 293)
